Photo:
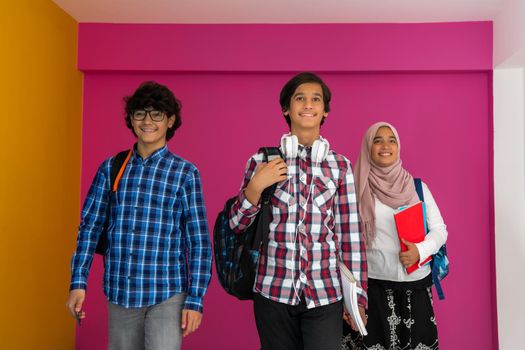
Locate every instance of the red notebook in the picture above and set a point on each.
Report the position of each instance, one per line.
(410, 224)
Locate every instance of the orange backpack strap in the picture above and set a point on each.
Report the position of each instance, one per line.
(119, 164)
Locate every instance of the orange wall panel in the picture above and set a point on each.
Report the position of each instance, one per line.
(40, 139)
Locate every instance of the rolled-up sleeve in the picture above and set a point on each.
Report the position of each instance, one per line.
(243, 213)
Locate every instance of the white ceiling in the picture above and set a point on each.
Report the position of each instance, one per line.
(279, 11)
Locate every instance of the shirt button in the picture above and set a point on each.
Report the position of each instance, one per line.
(302, 277)
(301, 228)
(303, 203)
(303, 178)
(303, 251)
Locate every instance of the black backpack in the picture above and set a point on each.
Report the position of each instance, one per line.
(237, 255)
(118, 164)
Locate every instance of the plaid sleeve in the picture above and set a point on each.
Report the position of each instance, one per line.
(243, 212)
(91, 225)
(197, 242)
(353, 250)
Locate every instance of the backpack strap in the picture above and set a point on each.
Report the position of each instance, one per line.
(437, 283)
(118, 164)
(419, 189)
(263, 227)
(268, 152)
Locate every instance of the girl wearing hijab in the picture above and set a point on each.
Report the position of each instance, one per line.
(400, 313)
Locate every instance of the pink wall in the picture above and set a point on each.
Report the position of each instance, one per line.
(286, 47)
(444, 119)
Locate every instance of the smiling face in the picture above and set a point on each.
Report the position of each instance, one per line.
(307, 108)
(385, 150)
(152, 134)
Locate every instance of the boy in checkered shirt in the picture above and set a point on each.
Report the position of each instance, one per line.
(297, 292)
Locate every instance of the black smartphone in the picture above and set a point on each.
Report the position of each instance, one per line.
(77, 317)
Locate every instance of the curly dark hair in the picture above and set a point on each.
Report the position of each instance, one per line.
(290, 87)
(153, 95)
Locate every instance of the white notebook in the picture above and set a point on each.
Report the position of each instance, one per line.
(350, 289)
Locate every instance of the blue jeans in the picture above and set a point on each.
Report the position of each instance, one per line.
(154, 327)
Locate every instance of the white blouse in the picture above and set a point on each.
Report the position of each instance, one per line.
(383, 255)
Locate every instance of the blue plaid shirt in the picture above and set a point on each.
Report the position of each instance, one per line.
(158, 234)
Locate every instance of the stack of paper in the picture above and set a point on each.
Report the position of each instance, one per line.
(350, 289)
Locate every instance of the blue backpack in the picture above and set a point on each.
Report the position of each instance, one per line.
(237, 255)
(439, 263)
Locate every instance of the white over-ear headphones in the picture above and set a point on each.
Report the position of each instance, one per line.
(290, 148)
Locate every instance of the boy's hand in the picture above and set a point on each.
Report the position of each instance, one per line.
(74, 303)
(410, 256)
(191, 320)
(350, 321)
(266, 174)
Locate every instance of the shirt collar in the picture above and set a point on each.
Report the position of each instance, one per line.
(161, 152)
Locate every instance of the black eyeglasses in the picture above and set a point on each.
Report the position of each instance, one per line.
(156, 116)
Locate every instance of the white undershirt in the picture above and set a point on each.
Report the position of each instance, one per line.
(383, 255)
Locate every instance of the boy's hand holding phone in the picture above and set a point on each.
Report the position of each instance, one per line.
(74, 304)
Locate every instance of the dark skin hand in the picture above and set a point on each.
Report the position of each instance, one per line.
(266, 174)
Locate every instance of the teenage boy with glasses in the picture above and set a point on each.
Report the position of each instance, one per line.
(158, 264)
